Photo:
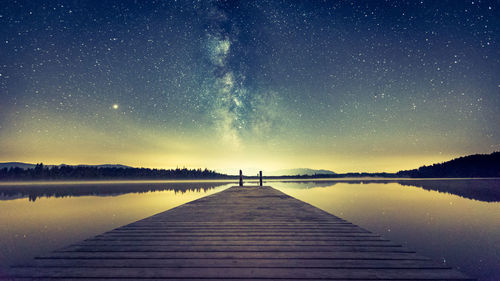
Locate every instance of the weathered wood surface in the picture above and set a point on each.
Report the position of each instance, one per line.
(242, 233)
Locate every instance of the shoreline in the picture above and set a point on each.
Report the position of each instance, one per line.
(249, 180)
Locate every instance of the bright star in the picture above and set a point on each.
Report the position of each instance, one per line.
(115, 106)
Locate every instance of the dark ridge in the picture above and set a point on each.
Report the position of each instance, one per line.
(472, 166)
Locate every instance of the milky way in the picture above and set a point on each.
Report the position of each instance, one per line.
(341, 85)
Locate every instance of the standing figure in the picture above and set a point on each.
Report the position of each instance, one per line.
(241, 178)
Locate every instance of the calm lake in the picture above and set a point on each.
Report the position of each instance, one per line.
(458, 225)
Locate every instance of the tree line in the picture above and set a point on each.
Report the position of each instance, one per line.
(472, 166)
(41, 172)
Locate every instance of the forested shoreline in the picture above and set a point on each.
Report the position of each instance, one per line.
(41, 172)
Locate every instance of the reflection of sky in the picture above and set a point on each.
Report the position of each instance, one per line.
(445, 227)
(32, 228)
(347, 86)
(478, 189)
(405, 214)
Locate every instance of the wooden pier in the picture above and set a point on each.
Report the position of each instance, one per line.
(241, 233)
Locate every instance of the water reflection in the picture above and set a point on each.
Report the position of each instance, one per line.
(39, 218)
(451, 229)
(44, 218)
(35, 191)
(487, 190)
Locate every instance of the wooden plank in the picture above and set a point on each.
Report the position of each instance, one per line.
(234, 224)
(242, 234)
(230, 272)
(237, 255)
(242, 230)
(245, 248)
(311, 235)
(240, 263)
(239, 238)
(232, 229)
(236, 279)
(333, 232)
(233, 243)
(237, 224)
(195, 227)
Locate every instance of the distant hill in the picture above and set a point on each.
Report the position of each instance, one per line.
(31, 166)
(472, 166)
(21, 165)
(100, 166)
(300, 172)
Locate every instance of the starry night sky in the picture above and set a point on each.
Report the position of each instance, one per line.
(340, 85)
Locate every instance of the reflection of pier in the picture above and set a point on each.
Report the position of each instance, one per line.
(239, 233)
